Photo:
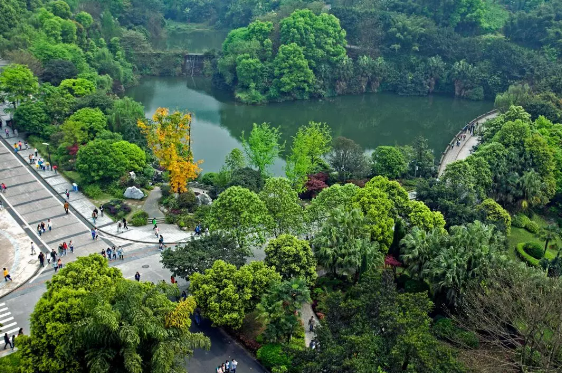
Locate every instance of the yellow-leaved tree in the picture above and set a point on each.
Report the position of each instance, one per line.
(168, 136)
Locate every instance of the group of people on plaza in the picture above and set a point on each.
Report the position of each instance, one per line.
(97, 212)
(122, 224)
(113, 253)
(18, 146)
(42, 228)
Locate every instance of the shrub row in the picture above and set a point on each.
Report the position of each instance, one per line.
(526, 257)
(523, 221)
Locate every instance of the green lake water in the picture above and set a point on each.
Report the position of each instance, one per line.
(370, 119)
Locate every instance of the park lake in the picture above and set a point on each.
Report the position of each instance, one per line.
(369, 119)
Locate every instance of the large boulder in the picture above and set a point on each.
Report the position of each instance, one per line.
(133, 193)
(203, 199)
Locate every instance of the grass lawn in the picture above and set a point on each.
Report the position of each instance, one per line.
(522, 235)
(10, 363)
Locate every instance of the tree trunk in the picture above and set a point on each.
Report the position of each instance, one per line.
(545, 247)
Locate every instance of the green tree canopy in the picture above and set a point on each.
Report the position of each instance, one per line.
(80, 323)
(262, 147)
(347, 158)
(291, 257)
(241, 213)
(283, 204)
(199, 255)
(83, 126)
(31, 116)
(389, 161)
(226, 293)
(18, 83)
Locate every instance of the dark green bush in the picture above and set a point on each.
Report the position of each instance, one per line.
(165, 190)
(208, 178)
(117, 208)
(272, 355)
(187, 200)
(533, 249)
(92, 191)
(186, 221)
(416, 286)
(532, 227)
(139, 218)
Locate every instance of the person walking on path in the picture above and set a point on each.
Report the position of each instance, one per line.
(49, 224)
(41, 259)
(125, 224)
(64, 248)
(43, 227)
(311, 324)
(119, 226)
(39, 230)
(97, 233)
(108, 251)
(7, 341)
(93, 232)
(7, 275)
(153, 223)
(7, 133)
(137, 276)
(32, 248)
(71, 246)
(67, 194)
(101, 210)
(4, 187)
(66, 206)
(59, 265)
(161, 240)
(35, 151)
(233, 365)
(20, 145)
(53, 256)
(94, 216)
(157, 231)
(120, 253)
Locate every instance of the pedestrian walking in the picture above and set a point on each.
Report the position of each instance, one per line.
(71, 246)
(59, 265)
(20, 145)
(97, 233)
(35, 151)
(161, 240)
(4, 187)
(311, 324)
(43, 227)
(108, 251)
(7, 275)
(119, 226)
(39, 230)
(30, 158)
(223, 367)
(41, 259)
(137, 276)
(101, 210)
(103, 253)
(120, 253)
(227, 366)
(7, 133)
(66, 206)
(53, 256)
(161, 246)
(49, 224)
(153, 223)
(172, 279)
(26, 145)
(114, 253)
(20, 332)
(6, 337)
(157, 231)
(93, 232)
(60, 250)
(125, 224)
(233, 365)
(64, 248)
(32, 248)
(67, 194)
(94, 216)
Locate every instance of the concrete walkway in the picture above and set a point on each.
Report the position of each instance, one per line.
(461, 152)
(151, 204)
(306, 312)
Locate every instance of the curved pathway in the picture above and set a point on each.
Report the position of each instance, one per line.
(457, 153)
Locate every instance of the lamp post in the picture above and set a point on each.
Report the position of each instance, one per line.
(49, 152)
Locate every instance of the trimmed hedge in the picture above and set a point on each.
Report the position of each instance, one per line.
(532, 227)
(526, 257)
(534, 249)
(520, 221)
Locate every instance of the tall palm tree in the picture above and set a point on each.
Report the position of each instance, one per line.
(418, 247)
(549, 233)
